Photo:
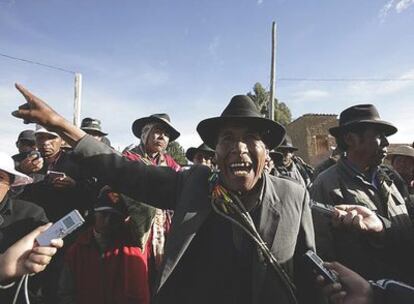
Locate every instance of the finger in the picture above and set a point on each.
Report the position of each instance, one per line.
(40, 259)
(25, 92)
(44, 250)
(349, 217)
(57, 243)
(338, 298)
(33, 267)
(357, 222)
(343, 207)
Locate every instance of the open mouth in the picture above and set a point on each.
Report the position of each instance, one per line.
(241, 168)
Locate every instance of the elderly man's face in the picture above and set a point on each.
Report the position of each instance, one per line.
(48, 144)
(241, 157)
(158, 139)
(370, 146)
(404, 165)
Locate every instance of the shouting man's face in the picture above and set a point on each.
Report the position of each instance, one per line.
(241, 157)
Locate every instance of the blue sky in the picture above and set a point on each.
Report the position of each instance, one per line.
(188, 58)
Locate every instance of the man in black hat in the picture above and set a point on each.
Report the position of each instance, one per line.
(26, 143)
(357, 179)
(237, 236)
(202, 155)
(293, 166)
(92, 126)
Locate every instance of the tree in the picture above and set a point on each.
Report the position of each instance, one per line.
(177, 152)
(261, 98)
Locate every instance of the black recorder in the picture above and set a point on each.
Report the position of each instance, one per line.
(316, 264)
(324, 209)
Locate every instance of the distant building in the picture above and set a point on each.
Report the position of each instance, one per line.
(310, 135)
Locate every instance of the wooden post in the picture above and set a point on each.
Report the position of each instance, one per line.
(273, 75)
(78, 99)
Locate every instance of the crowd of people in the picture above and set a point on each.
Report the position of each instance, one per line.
(231, 228)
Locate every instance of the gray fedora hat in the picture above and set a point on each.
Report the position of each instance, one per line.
(92, 124)
(162, 118)
(287, 145)
(243, 111)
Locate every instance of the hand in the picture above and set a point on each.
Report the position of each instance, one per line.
(64, 182)
(31, 164)
(352, 289)
(358, 217)
(36, 110)
(25, 257)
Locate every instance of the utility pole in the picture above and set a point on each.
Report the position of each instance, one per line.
(78, 99)
(273, 75)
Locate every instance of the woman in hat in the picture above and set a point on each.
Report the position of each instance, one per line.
(104, 254)
(155, 133)
(151, 225)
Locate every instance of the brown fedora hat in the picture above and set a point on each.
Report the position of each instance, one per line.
(191, 152)
(362, 115)
(403, 151)
(242, 110)
(162, 118)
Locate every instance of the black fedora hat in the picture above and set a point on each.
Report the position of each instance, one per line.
(28, 135)
(191, 152)
(287, 144)
(362, 115)
(92, 124)
(162, 118)
(243, 111)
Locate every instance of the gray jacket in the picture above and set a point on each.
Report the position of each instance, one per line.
(285, 222)
(372, 258)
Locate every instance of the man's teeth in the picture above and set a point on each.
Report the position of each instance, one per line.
(240, 169)
(240, 165)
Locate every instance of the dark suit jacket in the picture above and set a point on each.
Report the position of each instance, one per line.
(285, 224)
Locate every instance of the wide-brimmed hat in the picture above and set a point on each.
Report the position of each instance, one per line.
(362, 115)
(287, 144)
(7, 165)
(162, 118)
(92, 124)
(191, 152)
(402, 150)
(28, 135)
(106, 202)
(241, 110)
(40, 129)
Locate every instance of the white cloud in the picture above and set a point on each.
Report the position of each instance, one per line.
(403, 5)
(372, 90)
(259, 2)
(398, 5)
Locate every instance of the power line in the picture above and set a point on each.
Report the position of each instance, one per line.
(347, 79)
(38, 63)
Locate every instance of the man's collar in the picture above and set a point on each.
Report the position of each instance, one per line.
(5, 205)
